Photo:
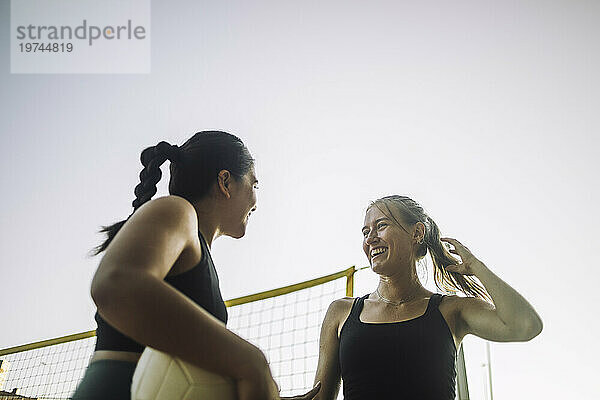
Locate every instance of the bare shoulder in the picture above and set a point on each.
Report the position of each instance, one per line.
(450, 309)
(163, 215)
(338, 312)
(154, 238)
(450, 300)
(166, 211)
(455, 308)
(459, 304)
(453, 304)
(340, 306)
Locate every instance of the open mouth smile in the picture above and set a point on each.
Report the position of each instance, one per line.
(378, 251)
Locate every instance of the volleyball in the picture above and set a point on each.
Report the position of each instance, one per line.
(160, 376)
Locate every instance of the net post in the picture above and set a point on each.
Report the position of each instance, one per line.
(462, 385)
(350, 281)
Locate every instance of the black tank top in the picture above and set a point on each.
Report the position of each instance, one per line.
(406, 360)
(201, 284)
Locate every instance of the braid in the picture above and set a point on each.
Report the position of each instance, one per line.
(152, 158)
(193, 170)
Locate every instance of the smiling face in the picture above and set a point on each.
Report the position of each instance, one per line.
(386, 244)
(241, 204)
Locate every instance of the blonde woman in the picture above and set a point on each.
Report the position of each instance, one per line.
(400, 341)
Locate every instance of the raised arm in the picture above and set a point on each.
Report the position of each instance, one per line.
(510, 319)
(328, 368)
(130, 293)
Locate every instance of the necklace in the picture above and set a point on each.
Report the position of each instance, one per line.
(393, 303)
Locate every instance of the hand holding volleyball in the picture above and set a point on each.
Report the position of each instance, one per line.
(248, 390)
(307, 396)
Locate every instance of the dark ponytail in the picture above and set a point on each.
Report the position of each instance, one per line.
(194, 168)
(445, 280)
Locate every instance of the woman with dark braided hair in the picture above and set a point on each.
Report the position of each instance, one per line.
(157, 285)
(400, 341)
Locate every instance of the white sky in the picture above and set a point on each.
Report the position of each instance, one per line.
(484, 112)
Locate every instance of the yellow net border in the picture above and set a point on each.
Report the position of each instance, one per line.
(348, 273)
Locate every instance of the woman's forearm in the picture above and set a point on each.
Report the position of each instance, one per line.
(511, 307)
(152, 312)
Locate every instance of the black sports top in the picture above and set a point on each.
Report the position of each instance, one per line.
(406, 360)
(201, 284)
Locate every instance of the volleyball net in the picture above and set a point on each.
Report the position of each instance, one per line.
(284, 323)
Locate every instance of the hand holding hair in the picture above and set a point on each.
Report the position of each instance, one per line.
(468, 264)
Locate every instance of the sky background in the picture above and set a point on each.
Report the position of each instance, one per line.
(484, 112)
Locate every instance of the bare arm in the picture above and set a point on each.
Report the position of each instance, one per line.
(130, 293)
(511, 318)
(328, 368)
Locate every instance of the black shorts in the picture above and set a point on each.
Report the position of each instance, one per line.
(106, 379)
